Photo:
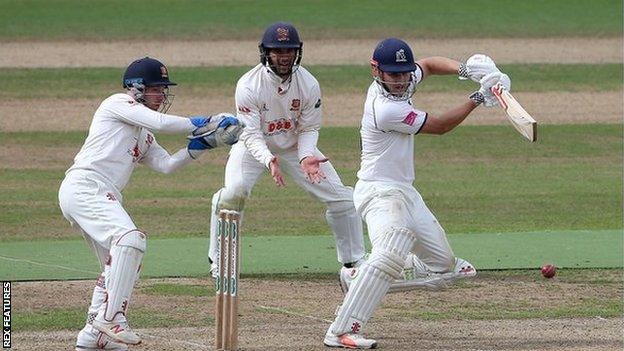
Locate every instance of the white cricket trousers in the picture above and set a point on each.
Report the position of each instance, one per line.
(243, 171)
(392, 204)
(94, 207)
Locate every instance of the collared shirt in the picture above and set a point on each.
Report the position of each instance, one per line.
(279, 116)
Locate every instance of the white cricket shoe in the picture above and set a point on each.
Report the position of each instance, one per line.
(117, 330)
(94, 340)
(416, 275)
(349, 341)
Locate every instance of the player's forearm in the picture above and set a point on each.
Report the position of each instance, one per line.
(257, 147)
(454, 117)
(142, 116)
(438, 65)
(448, 120)
(307, 143)
(171, 163)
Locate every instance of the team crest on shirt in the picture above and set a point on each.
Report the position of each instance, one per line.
(400, 56)
(295, 105)
(141, 146)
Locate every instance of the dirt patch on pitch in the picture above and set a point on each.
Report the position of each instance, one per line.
(356, 51)
(272, 312)
(339, 110)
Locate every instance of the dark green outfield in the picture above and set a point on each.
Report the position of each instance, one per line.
(310, 255)
(477, 179)
(231, 20)
(98, 82)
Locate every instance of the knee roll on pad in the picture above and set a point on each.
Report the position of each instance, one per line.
(387, 262)
(134, 238)
(398, 240)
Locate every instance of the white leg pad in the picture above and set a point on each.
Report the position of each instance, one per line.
(382, 267)
(346, 226)
(126, 254)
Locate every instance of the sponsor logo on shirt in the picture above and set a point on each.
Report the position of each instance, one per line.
(278, 126)
(243, 109)
(409, 120)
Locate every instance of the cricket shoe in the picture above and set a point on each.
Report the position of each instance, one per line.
(94, 340)
(349, 341)
(117, 330)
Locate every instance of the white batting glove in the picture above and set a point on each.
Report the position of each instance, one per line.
(477, 67)
(490, 80)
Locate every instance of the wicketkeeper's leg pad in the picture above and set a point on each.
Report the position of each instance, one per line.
(126, 254)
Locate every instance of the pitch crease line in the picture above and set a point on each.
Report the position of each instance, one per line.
(190, 343)
(46, 264)
(292, 313)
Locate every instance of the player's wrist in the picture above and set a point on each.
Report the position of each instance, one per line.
(462, 71)
(477, 97)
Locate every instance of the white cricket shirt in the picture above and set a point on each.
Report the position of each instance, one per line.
(120, 137)
(279, 116)
(387, 136)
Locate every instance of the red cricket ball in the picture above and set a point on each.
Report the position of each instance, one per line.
(549, 270)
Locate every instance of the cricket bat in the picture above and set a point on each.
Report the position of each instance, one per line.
(517, 115)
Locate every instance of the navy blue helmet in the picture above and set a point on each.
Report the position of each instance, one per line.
(146, 72)
(394, 55)
(280, 35)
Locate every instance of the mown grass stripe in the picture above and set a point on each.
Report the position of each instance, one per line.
(228, 20)
(202, 81)
(303, 255)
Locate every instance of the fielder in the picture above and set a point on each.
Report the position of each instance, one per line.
(399, 222)
(280, 103)
(120, 137)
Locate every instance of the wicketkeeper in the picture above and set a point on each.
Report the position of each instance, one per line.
(121, 136)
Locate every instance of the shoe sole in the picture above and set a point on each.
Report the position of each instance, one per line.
(113, 336)
(85, 348)
(373, 346)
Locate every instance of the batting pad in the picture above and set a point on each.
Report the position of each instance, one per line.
(382, 267)
(125, 261)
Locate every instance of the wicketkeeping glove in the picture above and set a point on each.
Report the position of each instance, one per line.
(227, 131)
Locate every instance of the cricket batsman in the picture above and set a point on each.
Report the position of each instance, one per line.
(121, 136)
(399, 223)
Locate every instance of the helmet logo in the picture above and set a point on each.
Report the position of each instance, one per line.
(282, 34)
(400, 56)
(163, 72)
